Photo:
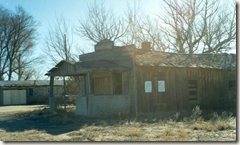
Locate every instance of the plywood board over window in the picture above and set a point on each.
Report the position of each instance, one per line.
(102, 85)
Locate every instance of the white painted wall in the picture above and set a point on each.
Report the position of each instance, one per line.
(14, 97)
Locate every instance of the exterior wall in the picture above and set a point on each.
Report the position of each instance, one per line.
(107, 106)
(41, 94)
(81, 106)
(1, 96)
(213, 88)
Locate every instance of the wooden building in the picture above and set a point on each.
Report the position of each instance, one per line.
(122, 80)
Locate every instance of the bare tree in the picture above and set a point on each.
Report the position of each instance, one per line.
(101, 23)
(141, 27)
(192, 26)
(220, 35)
(4, 31)
(58, 34)
(18, 36)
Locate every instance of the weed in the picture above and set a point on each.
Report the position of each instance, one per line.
(196, 114)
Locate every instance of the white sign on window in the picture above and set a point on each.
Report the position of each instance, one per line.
(148, 86)
(161, 86)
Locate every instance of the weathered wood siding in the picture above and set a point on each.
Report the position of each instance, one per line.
(122, 56)
(213, 88)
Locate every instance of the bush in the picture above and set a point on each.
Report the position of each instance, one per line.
(196, 114)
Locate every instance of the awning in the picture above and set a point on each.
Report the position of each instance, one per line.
(67, 68)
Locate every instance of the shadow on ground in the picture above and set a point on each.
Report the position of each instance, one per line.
(41, 123)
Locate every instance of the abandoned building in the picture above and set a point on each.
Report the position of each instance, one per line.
(122, 80)
(27, 92)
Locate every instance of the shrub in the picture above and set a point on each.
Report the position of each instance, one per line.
(196, 114)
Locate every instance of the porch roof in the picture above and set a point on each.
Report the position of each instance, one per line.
(69, 68)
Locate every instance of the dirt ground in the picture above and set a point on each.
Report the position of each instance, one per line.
(31, 123)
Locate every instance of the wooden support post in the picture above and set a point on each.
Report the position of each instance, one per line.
(64, 93)
(52, 105)
(89, 83)
(82, 83)
(135, 83)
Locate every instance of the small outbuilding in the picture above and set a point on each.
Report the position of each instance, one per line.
(122, 80)
(27, 92)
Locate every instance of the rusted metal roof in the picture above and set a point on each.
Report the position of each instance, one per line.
(29, 83)
(218, 61)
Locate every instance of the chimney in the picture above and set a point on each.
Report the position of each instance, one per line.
(104, 45)
(146, 46)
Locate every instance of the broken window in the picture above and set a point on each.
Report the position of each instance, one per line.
(117, 83)
(102, 85)
(192, 90)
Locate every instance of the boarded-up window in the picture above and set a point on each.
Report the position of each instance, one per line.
(117, 83)
(192, 89)
(102, 85)
(232, 89)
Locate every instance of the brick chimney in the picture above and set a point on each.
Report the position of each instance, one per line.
(146, 46)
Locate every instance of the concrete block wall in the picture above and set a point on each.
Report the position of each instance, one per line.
(108, 106)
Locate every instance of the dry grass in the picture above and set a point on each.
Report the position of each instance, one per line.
(194, 128)
(181, 135)
(134, 131)
(30, 135)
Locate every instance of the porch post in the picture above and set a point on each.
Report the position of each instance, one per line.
(52, 105)
(135, 83)
(64, 93)
(82, 86)
(89, 83)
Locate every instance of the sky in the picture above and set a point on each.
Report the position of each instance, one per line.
(45, 12)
